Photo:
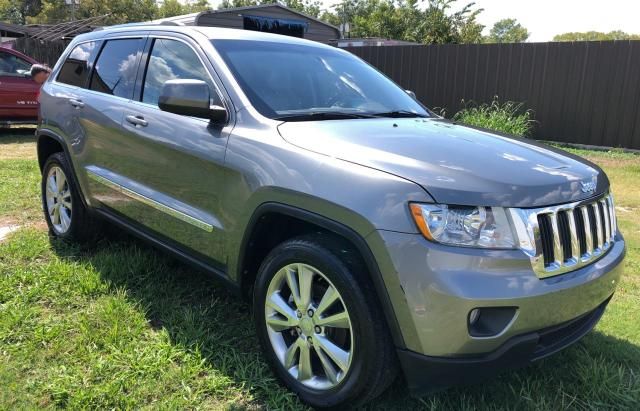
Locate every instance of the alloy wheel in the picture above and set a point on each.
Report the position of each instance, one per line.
(58, 198)
(309, 326)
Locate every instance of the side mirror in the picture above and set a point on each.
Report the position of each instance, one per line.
(190, 98)
(412, 94)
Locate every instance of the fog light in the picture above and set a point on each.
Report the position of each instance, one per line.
(473, 316)
(490, 321)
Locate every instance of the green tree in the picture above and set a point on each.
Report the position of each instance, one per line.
(596, 36)
(403, 20)
(17, 11)
(196, 6)
(119, 11)
(170, 8)
(228, 4)
(507, 31)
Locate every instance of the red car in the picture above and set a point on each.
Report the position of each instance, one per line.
(18, 92)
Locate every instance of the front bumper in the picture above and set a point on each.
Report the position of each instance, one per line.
(426, 374)
(433, 288)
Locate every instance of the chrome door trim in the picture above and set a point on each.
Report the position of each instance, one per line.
(152, 203)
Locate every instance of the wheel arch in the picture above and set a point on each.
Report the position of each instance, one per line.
(49, 143)
(300, 221)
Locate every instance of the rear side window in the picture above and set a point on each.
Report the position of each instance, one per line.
(13, 66)
(170, 60)
(115, 71)
(75, 70)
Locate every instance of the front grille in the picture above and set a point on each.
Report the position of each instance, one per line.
(569, 236)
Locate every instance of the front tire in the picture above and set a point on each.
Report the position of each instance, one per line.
(64, 211)
(320, 325)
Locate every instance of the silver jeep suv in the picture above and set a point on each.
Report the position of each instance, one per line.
(370, 235)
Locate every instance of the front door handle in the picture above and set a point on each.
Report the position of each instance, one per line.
(76, 103)
(137, 121)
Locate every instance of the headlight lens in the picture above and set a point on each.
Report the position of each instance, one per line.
(486, 227)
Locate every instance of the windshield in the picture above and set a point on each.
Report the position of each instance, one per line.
(296, 82)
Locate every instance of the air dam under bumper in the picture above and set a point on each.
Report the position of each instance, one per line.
(425, 374)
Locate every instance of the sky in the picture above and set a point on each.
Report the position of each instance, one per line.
(546, 18)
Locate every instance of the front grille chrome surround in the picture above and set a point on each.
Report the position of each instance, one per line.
(563, 238)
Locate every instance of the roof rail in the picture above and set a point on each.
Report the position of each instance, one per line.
(118, 26)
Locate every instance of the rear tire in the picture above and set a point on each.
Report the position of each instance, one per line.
(348, 336)
(64, 211)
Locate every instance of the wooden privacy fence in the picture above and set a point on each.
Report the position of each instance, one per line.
(581, 92)
(46, 52)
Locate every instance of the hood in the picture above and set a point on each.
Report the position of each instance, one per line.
(453, 163)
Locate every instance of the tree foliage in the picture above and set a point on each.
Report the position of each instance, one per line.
(422, 21)
(507, 31)
(430, 21)
(596, 36)
(17, 11)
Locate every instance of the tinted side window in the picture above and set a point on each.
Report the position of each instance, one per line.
(14, 66)
(75, 69)
(115, 71)
(169, 60)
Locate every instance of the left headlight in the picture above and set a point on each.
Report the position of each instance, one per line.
(486, 227)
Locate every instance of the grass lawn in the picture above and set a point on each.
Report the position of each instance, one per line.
(120, 325)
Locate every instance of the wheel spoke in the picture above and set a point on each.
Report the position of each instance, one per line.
(330, 296)
(290, 355)
(339, 320)
(60, 180)
(64, 218)
(51, 184)
(304, 364)
(305, 278)
(292, 281)
(66, 204)
(329, 370)
(337, 354)
(56, 214)
(277, 303)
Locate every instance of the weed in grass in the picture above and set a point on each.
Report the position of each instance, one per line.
(507, 117)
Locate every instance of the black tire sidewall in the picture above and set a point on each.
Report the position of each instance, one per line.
(336, 271)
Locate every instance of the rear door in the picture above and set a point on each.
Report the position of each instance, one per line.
(170, 166)
(18, 93)
(91, 89)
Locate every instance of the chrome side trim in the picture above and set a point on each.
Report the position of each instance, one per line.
(152, 203)
(530, 240)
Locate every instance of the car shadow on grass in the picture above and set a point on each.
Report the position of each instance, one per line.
(200, 314)
(17, 134)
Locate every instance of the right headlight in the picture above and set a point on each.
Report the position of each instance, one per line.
(485, 227)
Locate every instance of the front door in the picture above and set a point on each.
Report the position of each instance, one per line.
(172, 166)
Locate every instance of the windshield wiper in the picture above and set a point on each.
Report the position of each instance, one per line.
(321, 115)
(398, 114)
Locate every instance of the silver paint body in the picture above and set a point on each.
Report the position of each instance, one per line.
(199, 184)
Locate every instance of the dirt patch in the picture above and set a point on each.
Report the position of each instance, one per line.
(18, 151)
(6, 230)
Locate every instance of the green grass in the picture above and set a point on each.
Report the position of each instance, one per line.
(119, 325)
(507, 117)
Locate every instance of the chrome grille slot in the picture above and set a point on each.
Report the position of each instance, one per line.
(563, 238)
(565, 234)
(546, 236)
(594, 227)
(582, 238)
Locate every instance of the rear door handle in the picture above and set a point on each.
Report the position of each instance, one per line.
(76, 103)
(137, 121)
